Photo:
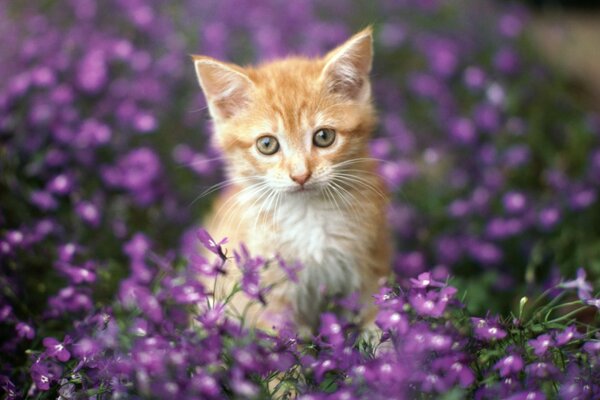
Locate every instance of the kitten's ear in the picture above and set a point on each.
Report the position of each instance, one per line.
(225, 86)
(347, 67)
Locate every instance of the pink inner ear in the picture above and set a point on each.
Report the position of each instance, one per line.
(347, 68)
(226, 90)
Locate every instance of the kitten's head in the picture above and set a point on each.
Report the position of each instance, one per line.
(292, 123)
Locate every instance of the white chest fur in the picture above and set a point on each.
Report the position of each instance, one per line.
(327, 241)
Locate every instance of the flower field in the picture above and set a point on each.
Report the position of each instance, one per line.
(105, 173)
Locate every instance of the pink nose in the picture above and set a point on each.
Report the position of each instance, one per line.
(301, 178)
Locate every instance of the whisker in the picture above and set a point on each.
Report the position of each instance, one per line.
(220, 185)
(361, 159)
(200, 161)
(197, 109)
(352, 179)
(342, 192)
(234, 200)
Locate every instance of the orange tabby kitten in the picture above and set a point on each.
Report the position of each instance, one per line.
(294, 133)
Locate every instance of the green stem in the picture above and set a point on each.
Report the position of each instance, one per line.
(567, 316)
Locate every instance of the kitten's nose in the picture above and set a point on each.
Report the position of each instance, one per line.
(300, 178)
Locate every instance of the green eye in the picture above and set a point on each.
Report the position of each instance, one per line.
(267, 145)
(324, 137)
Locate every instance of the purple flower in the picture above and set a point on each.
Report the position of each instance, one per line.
(454, 369)
(509, 365)
(250, 268)
(137, 247)
(6, 313)
(57, 349)
(514, 202)
(41, 376)
(60, 184)
(332, 329)
(593, 302)
(291, 270)
(206, 385)
(43, 200)
(212, 316)
(548, 217)
(190, 292)
(25, 331)
(541, 370)
(566, 336)
(424, 280)
(67, 251)
(530, 395)
(390, 319)
(9, 388)
(204, 267)
(463, 130)
(474, 77)
(89, 213)
(583, 198)
(541, 344)
(322, 367)
(86, 348)
(138, 172)
(427, 304)
(210, 244)
(584, 288)
(592, 347)
(487, 330)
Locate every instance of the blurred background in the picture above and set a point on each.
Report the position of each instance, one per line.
(487, 129)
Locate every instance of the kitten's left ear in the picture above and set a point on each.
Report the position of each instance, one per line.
(226, 86)
(347, 67)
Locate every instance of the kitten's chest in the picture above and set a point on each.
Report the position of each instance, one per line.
(312, 231)
(325, 240)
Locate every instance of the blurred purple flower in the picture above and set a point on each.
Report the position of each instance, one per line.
(201, 265)
(474, 77)
(541, 370)
(514, 202)
(541, 344)
(487, 329)
(429, 304)
(463, 130)
(592, 347)
(566, 336)
(509, 365)
(549, 217)
(425, 280)
(291, 269)
(529, 395)
(57, 349)
(86, 348)
(390, 319)
(583, 198)
(25, 331)
(210, 244)
(88, 212)
(584, 288)
(593, 302)
(212, 316)
(41, 376)
(332, 329)
(250, 267)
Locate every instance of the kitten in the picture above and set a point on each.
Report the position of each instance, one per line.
(294, 133)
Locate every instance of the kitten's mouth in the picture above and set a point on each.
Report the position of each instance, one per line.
(301, 189)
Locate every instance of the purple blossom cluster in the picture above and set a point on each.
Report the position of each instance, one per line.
(166, 337)
(104, 147)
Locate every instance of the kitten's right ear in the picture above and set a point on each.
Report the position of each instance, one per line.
(347, 67)
(225, 86)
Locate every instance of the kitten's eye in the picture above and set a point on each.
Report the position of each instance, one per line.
(324, 137)
(267, 145)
